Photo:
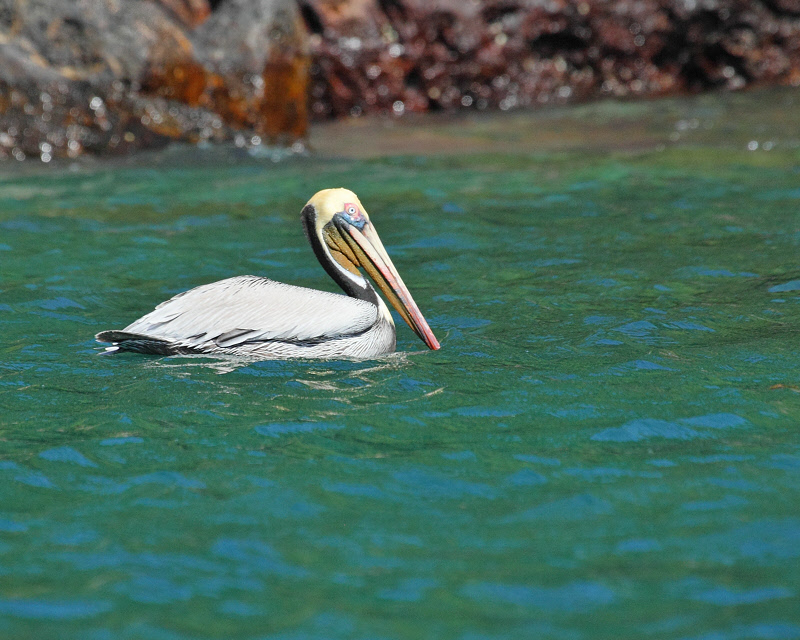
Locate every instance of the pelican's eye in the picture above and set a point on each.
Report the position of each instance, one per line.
(354, 216)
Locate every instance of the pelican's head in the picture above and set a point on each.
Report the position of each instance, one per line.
(338, 227)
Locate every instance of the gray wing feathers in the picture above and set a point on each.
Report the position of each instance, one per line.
(248, 309)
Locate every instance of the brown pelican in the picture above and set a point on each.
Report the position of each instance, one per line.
(257, 317)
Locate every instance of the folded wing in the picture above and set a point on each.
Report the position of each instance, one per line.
(247, 310)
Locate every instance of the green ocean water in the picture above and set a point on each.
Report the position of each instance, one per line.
(606, 445)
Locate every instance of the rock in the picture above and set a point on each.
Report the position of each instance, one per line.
(260, 49)
(112, 75)
(416, 55)
(190, 13)
(108, 76)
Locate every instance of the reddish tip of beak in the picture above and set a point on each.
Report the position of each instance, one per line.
(431, 341)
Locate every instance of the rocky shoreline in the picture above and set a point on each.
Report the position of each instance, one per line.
(106, 76)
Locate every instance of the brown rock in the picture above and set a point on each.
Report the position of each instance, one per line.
(260, 49)
(402, 55)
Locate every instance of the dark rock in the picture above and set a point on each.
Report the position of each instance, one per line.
(109, 76)
(416, 55)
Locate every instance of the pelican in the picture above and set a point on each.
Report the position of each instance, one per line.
(252, 316)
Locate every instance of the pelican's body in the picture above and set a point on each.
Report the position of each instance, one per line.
(299, 323)
(257, 317)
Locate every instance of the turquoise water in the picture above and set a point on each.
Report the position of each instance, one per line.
(606, 445)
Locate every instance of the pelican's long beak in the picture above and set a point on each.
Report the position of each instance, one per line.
(368, 248)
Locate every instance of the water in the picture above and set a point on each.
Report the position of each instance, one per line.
(605, 447)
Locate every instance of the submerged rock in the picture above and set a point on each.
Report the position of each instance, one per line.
(104, 75)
